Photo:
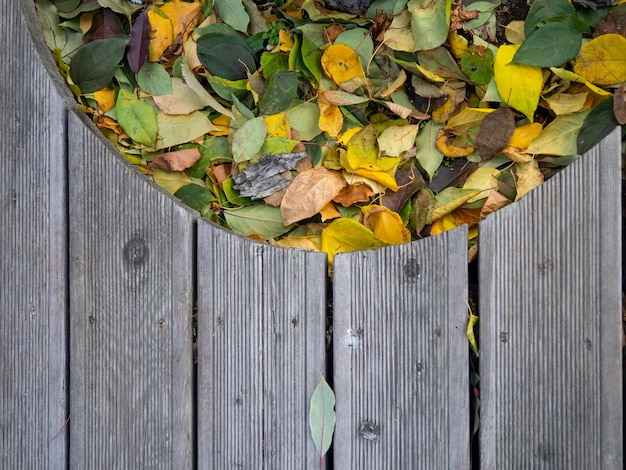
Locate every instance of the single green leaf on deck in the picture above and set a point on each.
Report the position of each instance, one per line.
(322, 417)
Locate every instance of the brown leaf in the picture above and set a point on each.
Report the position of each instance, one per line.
(409, 181)
(494, 201)
(495, 132)
(471, 217)
(176, 161)
(222, 172)
(309, 192)
(619, 104)
(354, 193)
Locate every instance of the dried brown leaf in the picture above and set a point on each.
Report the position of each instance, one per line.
(494, 202)
(176, 161)
(354, 193)
(619, 104)
(495, 132)
(309, 192)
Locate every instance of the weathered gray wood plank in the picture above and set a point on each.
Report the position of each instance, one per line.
(131, 298)
(261, 325)
(401, 356)
(33, 240)
(550, 281)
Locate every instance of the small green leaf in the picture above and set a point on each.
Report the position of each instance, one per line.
(233, 13)
(259, 219)
(430, 20)
(249, 139)
(94, 64)
(272, 63)
(304, 118)
(542, 10)
(551, 45)
(136, 117)
(322, 417)
(282, 89)
(597, 125)
(154, 79)
(477, 64)
(195, 196)
(427, 154)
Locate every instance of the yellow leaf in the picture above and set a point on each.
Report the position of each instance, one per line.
(471, 337)
(309, 192)
(329, 211)
(566, 103)
(285, 41)
(443, 225)
(458, 44)
(171, 181)
(518, 85)
(385, 224)
(105, 98)
(524, 135)
(572, 77)
(399, 35)
(341, 63)
(277, 126)
(454, 199)
(446, 148)
(602, 60)
(386, 178)
(162, 34)
(344, 235)
(483, 179)
(345, 137)
(222, 123)
(396, 140)
(331, 119)
(184, 16)
(528, 178)
(311, 243)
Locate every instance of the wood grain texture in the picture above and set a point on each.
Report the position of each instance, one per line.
(550, 278)
(33, 249)
(131, 279)
(401, 355)
(261, 325)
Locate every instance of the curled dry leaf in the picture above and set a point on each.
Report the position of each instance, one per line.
(309, 192)
(178, 160)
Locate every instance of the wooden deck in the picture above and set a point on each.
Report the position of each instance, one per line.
(103, 273)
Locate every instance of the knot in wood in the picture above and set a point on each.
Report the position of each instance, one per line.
(135, 252)
(411, 269)
(369, 431)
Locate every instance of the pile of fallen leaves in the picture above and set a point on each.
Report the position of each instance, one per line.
(347, 125)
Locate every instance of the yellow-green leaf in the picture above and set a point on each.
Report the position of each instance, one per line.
(559, 137)
(344, 235)
(602, 60)
(518, 85)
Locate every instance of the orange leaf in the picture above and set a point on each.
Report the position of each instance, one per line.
(331, 119)
(341, 63)
(385, 224)
(309, 192)
(176, 161)
(354, 193)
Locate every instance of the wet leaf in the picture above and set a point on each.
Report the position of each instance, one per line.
(309, 192)
(495, 132)
(518, 85)
(322, 417)
(93, 65)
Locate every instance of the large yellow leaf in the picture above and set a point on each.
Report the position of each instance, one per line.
(385, 224)
(331, 119)
(309, 192)
(184, 16)
(162, 34)
(341, 63)
(344, 235)
(167, 22)
(518, 85)
(602, 60)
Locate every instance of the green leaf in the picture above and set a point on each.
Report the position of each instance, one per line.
(272, 63)
(180, 129)
(560, 136)
(430, 20)
(259, 219)
(541, 10)
(121, 6)
(282, 89)
(248, 139)
(233, 13)
(225, 55)
(427, 154)
(304, 118)
(597, 125)
(322, 417)
(477, 64)
(94, 64)
(154, 79)
(136, 117)
(360, 40)
(550, 46)
(195, 196)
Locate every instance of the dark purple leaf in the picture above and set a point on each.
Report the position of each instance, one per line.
(105, 24)
(137, 52)
(410, 181)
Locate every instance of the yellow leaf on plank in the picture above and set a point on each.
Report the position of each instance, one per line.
(385, 224)
(524, 135)
(344, 235)
(518, 85)
(331, 119)
(602, 60)
(528, 178)
(341, 63)
(309, 192)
